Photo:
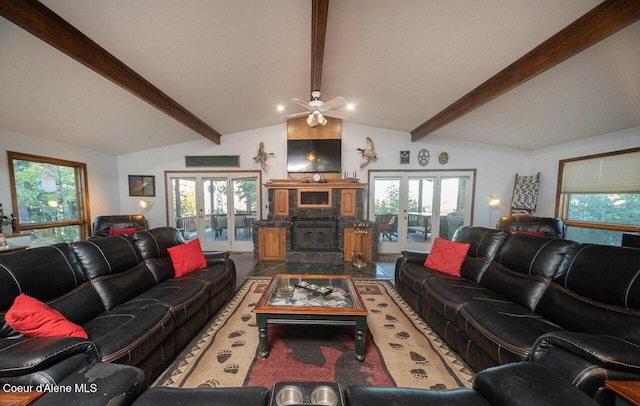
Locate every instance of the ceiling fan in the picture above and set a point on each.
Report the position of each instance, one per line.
(317, 109)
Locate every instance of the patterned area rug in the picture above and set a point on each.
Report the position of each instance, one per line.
(401, 350)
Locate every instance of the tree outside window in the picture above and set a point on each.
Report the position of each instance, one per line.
(49, 197)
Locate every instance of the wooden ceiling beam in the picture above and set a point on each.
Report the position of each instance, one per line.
(320, 10)
(40, 21)
(602, 21)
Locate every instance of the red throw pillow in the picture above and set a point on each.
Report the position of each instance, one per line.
(187, 257)
(526, 232)
(122, 231)
(447, 256)
(31, 317)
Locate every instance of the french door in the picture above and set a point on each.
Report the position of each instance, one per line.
(414, 207)
(219, 208)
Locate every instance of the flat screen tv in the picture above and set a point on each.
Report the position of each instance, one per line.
(314, 155)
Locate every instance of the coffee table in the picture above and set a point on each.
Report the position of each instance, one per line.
(305, 299)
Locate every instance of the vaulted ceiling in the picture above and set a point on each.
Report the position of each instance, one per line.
(230, 63)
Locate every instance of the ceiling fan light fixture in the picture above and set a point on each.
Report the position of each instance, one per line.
(315, 118)
(312, 120)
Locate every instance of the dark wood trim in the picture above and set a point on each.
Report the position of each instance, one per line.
(40, 21)
(320, 10)
(602, 21)
(600, 226)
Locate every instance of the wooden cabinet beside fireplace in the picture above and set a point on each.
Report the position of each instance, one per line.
(348, 202)
(272, 243)
(281, 202)
(358, 242)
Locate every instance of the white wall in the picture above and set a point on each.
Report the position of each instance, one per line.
(496, 166)
(102, 170)
(172, 158)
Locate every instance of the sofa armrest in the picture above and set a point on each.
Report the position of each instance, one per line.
(606, 351)
(214, 257)
(26, 356)
(589, 359)
(99, 384)
(526, 383)
(414, 256)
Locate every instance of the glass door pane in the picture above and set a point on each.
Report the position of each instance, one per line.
(215, 214)
(183, 206)
(245, 207)
(386, 208)
(455, 204)
(419, 214)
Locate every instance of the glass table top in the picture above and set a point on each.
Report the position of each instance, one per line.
(313, 292)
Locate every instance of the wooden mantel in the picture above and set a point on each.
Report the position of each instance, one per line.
(331, 184)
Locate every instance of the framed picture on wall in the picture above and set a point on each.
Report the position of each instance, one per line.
(142, 185)
(404, 157)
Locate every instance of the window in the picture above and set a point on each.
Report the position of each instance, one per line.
(599, 196)
(50, 198)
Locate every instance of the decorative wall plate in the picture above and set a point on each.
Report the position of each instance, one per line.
(423, 157)
(443, 158)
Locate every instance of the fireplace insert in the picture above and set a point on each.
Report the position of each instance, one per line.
(315, 234)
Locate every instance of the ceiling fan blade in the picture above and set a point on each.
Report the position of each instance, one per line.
(337, 114)
(333, 103)
(295, 115)
(301, 103)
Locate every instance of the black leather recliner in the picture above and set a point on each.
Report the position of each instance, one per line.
(102, 224)
(550, 226)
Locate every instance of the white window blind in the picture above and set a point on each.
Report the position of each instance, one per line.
(609, 174)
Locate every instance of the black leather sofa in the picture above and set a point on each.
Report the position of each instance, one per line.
(122, 291)
(572, 307)
(102, 224)
(522, 384)
(550, 226)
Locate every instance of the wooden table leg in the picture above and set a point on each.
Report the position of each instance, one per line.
(263, 336)
(361, 331)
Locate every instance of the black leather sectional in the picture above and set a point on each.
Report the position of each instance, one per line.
(122, 291)
(570, 306)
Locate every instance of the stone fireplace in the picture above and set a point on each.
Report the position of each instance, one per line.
(312, 219)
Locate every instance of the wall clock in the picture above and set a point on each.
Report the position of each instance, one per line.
(443, 158)
(423, 157)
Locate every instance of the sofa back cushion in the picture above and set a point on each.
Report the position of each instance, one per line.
(524, 267)
(549, 226)
(483, 246)
(51, 275)
(596, 290)
(153, 245)
(103, 224)
(115, 268)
